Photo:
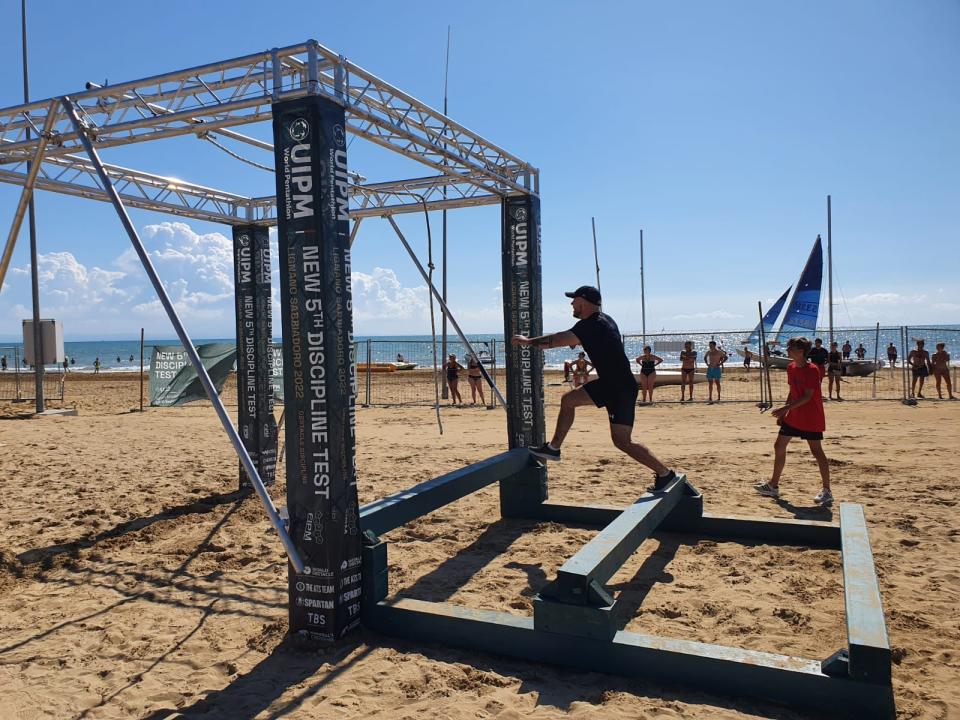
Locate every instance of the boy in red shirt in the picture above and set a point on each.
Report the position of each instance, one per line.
(801, 417)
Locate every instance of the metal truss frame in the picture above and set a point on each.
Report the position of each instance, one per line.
(575, 621)
(210, 99)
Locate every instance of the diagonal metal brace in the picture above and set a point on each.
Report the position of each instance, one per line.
(27, 193)
(184, 337)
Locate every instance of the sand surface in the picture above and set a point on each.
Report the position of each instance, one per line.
(135, 584)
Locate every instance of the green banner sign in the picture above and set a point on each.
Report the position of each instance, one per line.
(173, 381)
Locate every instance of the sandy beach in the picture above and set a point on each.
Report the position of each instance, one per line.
(134, 582)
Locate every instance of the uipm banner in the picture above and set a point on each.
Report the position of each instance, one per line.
(255, 420)
(319, 367)
(523, 315)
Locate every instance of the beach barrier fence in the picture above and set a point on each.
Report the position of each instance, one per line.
(17, 381)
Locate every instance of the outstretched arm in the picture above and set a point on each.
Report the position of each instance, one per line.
(557, 339)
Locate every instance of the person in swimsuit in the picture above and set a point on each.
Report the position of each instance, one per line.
(892, 355)
(688, 368)
(714, 358)
(847, 347)
(919, 360)
(581, 370)
(834, 370)
(475, 378)
(615, 387)
(648, 373)
(861, 352)
(453, 369)
(940, 363)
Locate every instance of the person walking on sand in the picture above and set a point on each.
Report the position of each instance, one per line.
(453, 369)
(940, 363)
(648, 373)
(714, 357)
(688, 368)
(919, 360)
(834, 370)
(892, 355)
(802, 417)
(475, 379)
(615, 387)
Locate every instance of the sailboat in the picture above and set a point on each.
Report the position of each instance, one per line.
(802, 310)
(801, 316)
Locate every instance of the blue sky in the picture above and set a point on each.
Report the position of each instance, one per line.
(718, 128)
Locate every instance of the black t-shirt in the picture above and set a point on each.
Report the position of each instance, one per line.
(834, 358)
(818, 355)
(600, 338)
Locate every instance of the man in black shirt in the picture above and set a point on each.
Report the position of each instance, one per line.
(615, 387)
(818, 356)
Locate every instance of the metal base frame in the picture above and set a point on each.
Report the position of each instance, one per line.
(575, 622)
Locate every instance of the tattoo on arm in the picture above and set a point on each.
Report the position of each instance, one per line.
(542, 341)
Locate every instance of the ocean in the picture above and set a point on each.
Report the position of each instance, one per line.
(115, 355)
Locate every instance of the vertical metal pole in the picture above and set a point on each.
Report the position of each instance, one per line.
(16, 367)
(185, 340)
(643, 294)
(596, 260)
(876, 359)
(830, 265)
(34, 272)
(369, 360)
(444, 391)
(141, 369)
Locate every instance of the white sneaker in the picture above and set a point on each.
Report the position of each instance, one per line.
(824, 497)
(765, 488)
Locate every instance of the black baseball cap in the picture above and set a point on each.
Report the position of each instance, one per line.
(587, 292)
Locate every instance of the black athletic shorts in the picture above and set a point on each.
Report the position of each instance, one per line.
(921, 371)
(620, 400)
(791, 431)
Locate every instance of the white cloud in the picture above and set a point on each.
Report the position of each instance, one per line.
(380, 296)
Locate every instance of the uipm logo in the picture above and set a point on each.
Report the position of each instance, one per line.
(299, 129)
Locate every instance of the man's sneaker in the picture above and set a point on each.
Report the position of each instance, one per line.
(767, 489)
(824, 497)
(660, 483)
(545, 452)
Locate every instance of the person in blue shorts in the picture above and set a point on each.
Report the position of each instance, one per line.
(715, 358)
(615, 387)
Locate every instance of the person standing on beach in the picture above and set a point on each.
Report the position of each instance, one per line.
(892, 355)
(96, 366)
(3, 363)
(614, 389)
(847, 347)
(688, 368)
(453, 369)
(940, 363)
(66, 364)
(714, 357)
(919, 360)
(819, 356)
(475, 379)
(648, 372)
(802, 417)
(581, 370)
(834, 370)
(861, 352)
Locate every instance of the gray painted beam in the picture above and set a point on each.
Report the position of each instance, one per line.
(597, 561)
(781, 531)
(867, 639)
(395, 510)
(793, 681)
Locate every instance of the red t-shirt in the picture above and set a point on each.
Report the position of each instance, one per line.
(809, 416)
